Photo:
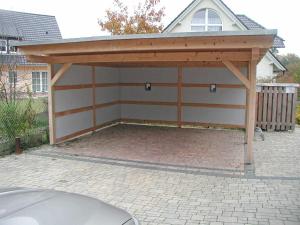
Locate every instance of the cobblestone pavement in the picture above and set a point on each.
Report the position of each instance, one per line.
(278, 155)
(161, 197)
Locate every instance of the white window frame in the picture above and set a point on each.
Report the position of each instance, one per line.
(41, 81)
(206, 24)
(8, 47)
(5, 46)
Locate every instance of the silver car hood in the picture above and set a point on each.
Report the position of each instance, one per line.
(46, 207)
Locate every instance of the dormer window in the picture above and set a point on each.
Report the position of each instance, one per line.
(3, 46)
(206, 20)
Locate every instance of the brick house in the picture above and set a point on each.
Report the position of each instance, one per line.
(15, 70)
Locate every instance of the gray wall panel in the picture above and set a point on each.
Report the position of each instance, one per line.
(213, 115)
(72, 123)
(72, 99)
(107, 75)
(209, 76)
(108, 114)
(107, 94)
(76, 75)
(163, 94)
(155, 75)
(222, 96)
(149, 112)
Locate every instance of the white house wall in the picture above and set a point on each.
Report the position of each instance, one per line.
(185, 24)
(265, 68)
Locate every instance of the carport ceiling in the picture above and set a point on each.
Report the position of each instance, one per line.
(206, 48)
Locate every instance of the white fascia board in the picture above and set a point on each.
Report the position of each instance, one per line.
(275, 61)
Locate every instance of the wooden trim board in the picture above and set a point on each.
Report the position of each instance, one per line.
(182, 104)
(145, 122)
(185, 85)
(222, 106)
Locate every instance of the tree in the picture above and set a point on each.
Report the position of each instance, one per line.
(16, 114)
(146, 18)
(289, 58)
(292, 62)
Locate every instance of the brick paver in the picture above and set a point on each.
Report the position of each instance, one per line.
(160, 197)
(167, 145)
(278, 155)
(167, 198)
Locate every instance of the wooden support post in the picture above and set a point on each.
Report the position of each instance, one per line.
(247, 102)
(94, 97)
(179, 97)
(51, 106)
(251, 110)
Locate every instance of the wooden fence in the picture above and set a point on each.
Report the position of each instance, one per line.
(276, 106)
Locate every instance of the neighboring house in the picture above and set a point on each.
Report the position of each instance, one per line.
(214, 15)
(15, 70)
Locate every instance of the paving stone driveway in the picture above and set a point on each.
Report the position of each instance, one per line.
(163, 197)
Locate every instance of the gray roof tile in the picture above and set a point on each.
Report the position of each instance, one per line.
(252, 25)
(16, 60)
(28, 26)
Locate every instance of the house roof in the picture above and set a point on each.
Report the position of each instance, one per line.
(253, 25)
(243, 20)
(28, 26)
(8, 29)
(16, 60)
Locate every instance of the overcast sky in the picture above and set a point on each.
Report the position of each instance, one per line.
(79, 18)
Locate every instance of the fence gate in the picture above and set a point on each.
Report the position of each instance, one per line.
(276, 106)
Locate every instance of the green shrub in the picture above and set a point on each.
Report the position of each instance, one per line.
(298, 115)
(16, 118)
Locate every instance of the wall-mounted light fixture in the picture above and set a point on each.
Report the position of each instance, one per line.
(213, 88)
(147, 86)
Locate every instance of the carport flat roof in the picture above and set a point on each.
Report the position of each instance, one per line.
(151, 36)
(153, 49)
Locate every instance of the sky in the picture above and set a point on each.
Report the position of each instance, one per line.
(80, 18)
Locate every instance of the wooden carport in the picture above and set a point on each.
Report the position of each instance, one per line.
(231, 50)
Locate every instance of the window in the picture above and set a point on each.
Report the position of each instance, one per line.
(206, 20)
(12, 77)
(3, 46)
(12, 49)
(39, 82)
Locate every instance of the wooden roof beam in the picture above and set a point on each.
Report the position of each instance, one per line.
(146, 57)
(140, 45)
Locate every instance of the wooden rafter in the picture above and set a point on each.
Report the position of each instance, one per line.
(60, 73)
(237, 73)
